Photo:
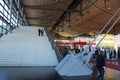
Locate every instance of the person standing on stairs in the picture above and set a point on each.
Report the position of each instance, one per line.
(42, 32)
(39, 32)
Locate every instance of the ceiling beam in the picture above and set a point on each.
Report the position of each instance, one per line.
(49, 8)
(71, 7)
(40, 24)
(42, 19)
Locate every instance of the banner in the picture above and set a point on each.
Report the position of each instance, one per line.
(107, 41)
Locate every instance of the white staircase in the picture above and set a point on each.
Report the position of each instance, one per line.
(23, 47)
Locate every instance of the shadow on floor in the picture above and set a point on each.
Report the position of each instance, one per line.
(46, 73)
(28, 73)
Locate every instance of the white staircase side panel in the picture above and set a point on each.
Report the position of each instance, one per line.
(72, 66)
(62, 62)
(68, 66)
(79, 70)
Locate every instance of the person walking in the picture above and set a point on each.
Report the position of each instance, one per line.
(119, 53)
(42, 32)
(100, 63)
(39, 32)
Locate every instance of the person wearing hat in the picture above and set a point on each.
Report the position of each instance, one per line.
(100, 63)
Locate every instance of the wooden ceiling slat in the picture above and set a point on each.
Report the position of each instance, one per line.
(94, 17)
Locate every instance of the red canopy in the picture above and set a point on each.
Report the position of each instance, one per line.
(74, 43)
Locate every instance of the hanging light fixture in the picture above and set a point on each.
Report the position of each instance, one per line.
(62, 26)
(57, 0)
(105, 3)
(81, 11)
(69, 20)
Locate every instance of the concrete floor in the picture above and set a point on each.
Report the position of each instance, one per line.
(110, 74)
(45, 73)
(28, 73)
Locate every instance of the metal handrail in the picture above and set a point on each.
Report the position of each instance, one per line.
(53, 45)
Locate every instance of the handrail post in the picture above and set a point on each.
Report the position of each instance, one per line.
(53, 45)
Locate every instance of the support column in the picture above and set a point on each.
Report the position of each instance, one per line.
(106, 25)
(105, 3)
(24, 19)
(26, 22)
(108, 31)
(22, 15)
(69, 20)
(18, 8)
(81, 10)
(10, 27)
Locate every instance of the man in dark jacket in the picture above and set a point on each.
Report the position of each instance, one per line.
(39, 31)
(118, 53)
(101, 65)
(42, 32)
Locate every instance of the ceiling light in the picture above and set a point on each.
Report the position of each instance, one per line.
(109, 8)
(56, 0)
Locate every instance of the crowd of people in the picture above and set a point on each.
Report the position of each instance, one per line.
(110, 53)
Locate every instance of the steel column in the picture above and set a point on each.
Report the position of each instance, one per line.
(22, 15)
(10, 27)
(108, 31)
(49, 8)
(18, 8)
(105, 3)
(105, 25)
(71, 7)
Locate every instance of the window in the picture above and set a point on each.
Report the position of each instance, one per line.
(6, 8)
(0, 23)
(5, 15)
(1, 8)
(1, 2)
